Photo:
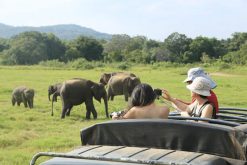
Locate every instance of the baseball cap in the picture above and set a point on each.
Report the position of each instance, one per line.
(199, 72)
(201, 86)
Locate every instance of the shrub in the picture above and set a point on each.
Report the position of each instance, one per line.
(123, 66)
(52, 63)
(81, 63)
(224, 66)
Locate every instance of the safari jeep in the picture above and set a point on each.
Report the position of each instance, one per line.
(174, 141)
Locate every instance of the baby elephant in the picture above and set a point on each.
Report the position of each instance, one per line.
(23, 94)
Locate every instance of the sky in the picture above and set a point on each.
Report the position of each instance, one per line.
(155, 19)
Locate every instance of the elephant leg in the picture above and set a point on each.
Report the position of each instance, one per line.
(68, 110)
(32, 103)
(29, 102)
(54, 97)
(18, 103)
(13, 101)
(110, 94)
(126, 97)
(90, 108)
(64, 110)
(25, 103)
(88, 114)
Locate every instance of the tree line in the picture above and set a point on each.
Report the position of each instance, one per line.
(32, 47)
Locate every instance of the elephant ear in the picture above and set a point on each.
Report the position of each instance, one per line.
(51, 89)
(132, 83)
(95, 89)
(105, 78)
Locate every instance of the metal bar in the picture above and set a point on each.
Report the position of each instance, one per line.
(232, 112)
(231, 108)
(125, 160)
(232, 117)
(215, 121)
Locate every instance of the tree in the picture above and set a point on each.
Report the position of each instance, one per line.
(55, 48)
(236, 41)
(27, 48)
(89, 48)
(199, 46)
(115, 48)
(177, 44)
(237, 57)
(3, 44)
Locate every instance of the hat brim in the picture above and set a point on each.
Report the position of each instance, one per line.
(187, 79)
(200, 92)
(212, 83)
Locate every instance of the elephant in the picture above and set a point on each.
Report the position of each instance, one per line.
(23, 94)
(105, 77)
(122, 85)
(78, 91)
(54, 90)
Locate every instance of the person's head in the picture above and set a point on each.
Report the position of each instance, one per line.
(142, 95)
(198, 72)
(200, 86)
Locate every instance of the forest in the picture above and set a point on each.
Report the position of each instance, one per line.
(32, 47)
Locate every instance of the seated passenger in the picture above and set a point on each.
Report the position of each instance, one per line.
(142, 105)
(199, 72)
(201, 107)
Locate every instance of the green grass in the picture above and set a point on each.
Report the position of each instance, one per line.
(24, 132)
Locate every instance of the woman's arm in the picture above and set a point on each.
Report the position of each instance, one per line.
(130, 114)
(207, 112)
(179, 105)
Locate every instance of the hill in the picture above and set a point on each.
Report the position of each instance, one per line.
(63, 31)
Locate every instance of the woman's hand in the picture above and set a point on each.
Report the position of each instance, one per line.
(166, 95)
(115, 117)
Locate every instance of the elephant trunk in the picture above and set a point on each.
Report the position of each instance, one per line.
(106, 105)
(52, 105)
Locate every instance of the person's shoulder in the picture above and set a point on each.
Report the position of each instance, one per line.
(209, 105)
(163, 109)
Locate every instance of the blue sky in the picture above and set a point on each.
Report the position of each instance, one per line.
(155, 19)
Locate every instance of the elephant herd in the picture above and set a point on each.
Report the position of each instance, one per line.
(77, 91)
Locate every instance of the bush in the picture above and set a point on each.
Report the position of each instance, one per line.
(123, 66)
(52, 63)
(80, 63)
(224, 66)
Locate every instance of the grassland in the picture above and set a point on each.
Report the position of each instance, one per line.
(23, 132)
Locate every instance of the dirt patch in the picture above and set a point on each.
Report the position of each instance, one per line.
(223, 74)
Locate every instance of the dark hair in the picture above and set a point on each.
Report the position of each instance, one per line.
(203, 97)
(142, 95)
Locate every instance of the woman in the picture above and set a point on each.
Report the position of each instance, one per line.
(199, 72)
(201, 107)
(142, 105)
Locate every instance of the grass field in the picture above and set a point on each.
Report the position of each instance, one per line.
(24, 132)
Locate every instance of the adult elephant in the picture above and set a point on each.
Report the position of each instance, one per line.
(23, 95)
(78, 91)
(54, 90)
(122, 85)
(105, 77)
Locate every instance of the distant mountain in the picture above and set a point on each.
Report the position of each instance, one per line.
(66, 31)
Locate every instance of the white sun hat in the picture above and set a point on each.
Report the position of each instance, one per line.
(201, 86)
(199, 72)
